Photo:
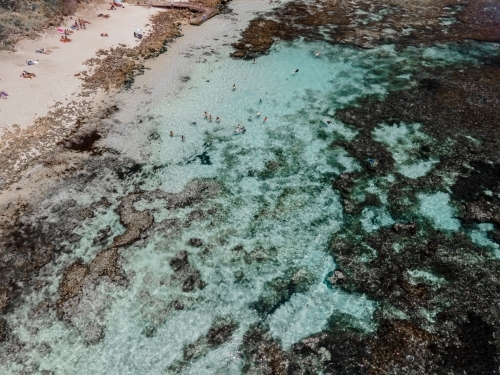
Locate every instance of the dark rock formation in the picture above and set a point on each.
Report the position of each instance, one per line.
(280, 290)
(185, 274)
(195, 242)
(262, 355)
(370, 23)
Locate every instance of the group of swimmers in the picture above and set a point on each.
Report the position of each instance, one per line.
(182, 136)
(208, 117)
(239, 128)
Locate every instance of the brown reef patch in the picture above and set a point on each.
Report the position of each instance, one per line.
(72, 281)
(119, 65)
(401, 347)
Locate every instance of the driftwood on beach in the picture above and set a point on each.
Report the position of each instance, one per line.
(205, 12)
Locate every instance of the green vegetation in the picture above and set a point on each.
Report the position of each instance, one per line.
(20, 18)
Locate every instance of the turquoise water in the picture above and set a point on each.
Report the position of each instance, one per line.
(276, 207)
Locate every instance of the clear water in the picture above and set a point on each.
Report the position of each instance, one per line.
(402, 141)
(437, 208)
(277, 203)
(480, 237)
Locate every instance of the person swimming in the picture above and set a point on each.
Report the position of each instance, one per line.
(265, 119)
(183, 138)
(258, 114)
(171, 133)
(316, 54)
(205, 114)
(260, 100)
(253, 61)
(296, 71)
(234, 86)
(217, 119)
(209, 117)
(249, 118)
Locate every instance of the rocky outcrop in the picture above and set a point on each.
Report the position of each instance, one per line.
(370, 23)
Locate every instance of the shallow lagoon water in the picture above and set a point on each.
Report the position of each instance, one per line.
(277, 207)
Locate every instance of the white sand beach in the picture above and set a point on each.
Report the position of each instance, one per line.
(55, 81)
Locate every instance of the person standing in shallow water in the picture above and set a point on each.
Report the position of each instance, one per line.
(183, 138)
(234, 86)
(171, 133)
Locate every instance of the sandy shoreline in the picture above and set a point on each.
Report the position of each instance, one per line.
(55, 83)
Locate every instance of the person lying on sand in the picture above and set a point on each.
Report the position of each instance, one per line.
(104, 34)
(26, 74)
(3, 95)
(112, 7)
(45, 51)
(32, 62)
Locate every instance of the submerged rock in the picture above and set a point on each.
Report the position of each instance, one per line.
(337, 277)
(72, 281)
(135, 221)
(409, 228)
(185, 274)
(180, 261)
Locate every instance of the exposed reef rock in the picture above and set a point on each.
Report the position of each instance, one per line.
(72, 280)
(448, 102)
(262, 355)
(402, 347)
(105, 264)
(370, 23)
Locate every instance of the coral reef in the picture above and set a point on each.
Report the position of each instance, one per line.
(370, 23)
